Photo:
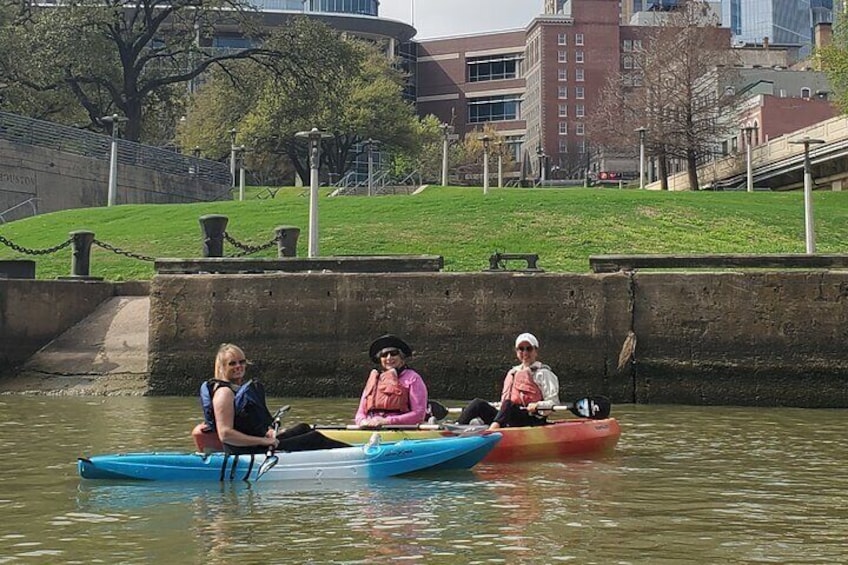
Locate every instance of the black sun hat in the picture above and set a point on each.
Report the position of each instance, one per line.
(386, 342)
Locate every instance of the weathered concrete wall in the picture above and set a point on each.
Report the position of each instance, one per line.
(63, 180)
(731, 338)
(32, 313)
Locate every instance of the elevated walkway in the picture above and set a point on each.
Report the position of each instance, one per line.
(779, 164)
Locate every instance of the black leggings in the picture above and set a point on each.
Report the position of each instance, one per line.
(509, 416)
(297, 438)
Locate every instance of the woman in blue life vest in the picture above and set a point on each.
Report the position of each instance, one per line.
(529, 387)
(242, 420)
(395, 394)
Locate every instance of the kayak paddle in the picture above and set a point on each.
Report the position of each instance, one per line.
(271, 458)
(594, 407)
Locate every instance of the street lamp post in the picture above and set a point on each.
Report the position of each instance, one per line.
(500, 163)
(748, 130)
(239, 152)
(809, 227)
(486, 139)
(541, 155)
(314, 136)
(447, 130)
(112, 194)
(370, 144)
(641, 131)
(233, 133)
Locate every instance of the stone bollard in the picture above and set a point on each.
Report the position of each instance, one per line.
(81, 255)
(287, 241)
(213, 226)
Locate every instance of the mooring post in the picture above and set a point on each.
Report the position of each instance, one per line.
(214, 226)
(287, 240)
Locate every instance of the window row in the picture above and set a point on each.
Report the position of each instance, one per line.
(581, 146)
(562, 56)
(630, 45)
(562, 39)
(579, 111)
(579, 74)
(579, 128)
(579, 92)
(493, 68)
(494, 109)
(366, 7)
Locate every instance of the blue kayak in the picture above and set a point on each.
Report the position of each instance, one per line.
(371, 461)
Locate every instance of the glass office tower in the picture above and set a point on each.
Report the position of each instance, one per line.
(783, 22)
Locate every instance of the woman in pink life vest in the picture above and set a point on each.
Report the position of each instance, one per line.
(395, 394)
(529, 387)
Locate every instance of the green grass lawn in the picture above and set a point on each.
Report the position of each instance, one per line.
(563, 226)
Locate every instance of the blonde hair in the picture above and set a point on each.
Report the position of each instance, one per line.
(220, 364)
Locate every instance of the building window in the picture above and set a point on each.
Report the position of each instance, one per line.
(562, 39)
(805, 92)
(579, 75)
(498, 67)
(578, 39)
(562, 93)
(628, 62)
(627, 45)
(563, 146)
(562, 56)
(581, 146)
(580, 93)
(637, 45)
(493, 108)
(580, 111)
(563, 128)
(563, 74)
(579, 129)
(563, 111)
(578, 56)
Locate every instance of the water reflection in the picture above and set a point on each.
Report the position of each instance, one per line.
(686, 485)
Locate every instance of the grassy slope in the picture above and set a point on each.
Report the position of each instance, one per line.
(564, 226)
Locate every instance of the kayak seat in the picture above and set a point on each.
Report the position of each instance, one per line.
(206, 439)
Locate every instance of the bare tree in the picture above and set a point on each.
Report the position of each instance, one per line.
(674, 91)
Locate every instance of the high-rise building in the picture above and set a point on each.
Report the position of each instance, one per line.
(777, 22)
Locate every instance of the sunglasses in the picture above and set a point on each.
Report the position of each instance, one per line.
(392, 352)
(525, 348)
(239, 362)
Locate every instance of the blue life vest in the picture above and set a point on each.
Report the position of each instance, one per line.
(251, 413)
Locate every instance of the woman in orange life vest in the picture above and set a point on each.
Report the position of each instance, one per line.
(230, 366)
(529, 387)
(396, 394)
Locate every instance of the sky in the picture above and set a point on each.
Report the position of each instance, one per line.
(441, 18)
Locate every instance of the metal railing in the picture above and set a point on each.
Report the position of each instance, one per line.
(32, 202)
(19, 129)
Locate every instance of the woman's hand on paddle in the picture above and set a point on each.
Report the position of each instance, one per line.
(270, 439)
(532, 407)
(375, 422)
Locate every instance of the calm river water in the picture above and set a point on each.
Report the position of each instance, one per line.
(685, 485)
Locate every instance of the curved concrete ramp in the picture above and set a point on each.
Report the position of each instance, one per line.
(105, 354)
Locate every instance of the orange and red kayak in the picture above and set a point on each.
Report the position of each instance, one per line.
(557, 440)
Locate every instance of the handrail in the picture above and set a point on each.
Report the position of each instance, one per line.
(30, 201)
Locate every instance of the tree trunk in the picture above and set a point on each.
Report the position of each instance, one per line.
(692, 170)
(663, 164)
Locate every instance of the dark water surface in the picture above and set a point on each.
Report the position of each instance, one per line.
(685, 485)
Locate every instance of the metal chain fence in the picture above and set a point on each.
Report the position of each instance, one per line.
(247, 249)
(120, 251)
(27, 251)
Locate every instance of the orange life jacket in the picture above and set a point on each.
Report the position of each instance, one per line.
(384, 393)
(520, 388)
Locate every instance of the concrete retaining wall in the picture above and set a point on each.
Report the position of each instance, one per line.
(63, 180)
(729, 338)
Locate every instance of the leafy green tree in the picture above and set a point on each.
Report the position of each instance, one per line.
(127, 56)
(833, 59)
(358, 97)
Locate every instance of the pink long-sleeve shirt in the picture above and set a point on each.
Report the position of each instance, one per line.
(417, 414)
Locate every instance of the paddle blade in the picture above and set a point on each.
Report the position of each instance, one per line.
(594, 407)
(267, 465)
